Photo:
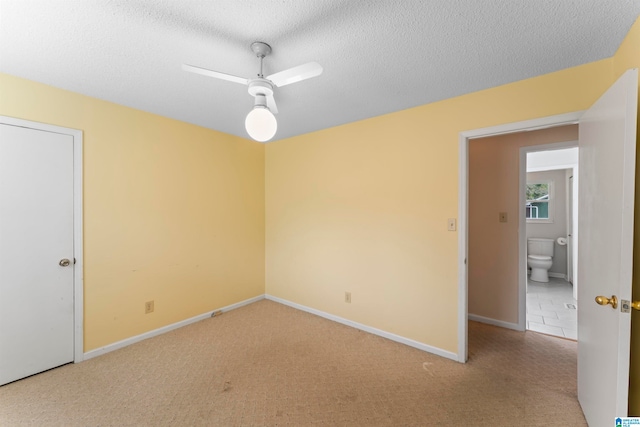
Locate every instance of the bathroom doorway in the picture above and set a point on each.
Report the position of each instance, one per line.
(551, 211)
(495, 260)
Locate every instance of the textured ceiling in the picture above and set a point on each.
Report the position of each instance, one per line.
(379, 56)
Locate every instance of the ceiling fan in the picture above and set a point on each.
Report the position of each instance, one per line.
(260, 122)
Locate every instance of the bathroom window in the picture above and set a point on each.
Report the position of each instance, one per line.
(539, 202)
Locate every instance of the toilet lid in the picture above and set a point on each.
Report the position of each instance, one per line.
(539, 257)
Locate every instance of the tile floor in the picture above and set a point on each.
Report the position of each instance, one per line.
(546, 309)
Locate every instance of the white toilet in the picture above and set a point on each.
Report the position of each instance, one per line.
(540, 258)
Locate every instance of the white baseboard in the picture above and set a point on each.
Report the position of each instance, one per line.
(128, 341)
(393, 337)
(494, 322)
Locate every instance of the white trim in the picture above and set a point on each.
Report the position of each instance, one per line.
(371, 330)
(463, 245)
(78, 277)
(494, 322)
(522, 240)
(554, 167)
(78, 248)
(132, 340)
(524, 126)
(553, 147)
(463, 221)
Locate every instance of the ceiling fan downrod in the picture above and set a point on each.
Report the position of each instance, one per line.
(261, 50)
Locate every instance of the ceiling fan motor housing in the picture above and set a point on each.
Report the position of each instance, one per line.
(260, 87)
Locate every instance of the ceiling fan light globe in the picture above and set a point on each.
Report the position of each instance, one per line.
(261, 124)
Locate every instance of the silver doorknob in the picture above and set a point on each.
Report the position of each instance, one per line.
(64, 262)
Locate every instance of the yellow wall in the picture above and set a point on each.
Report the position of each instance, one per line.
(172, 212)
(494, 174)
(628, 56)
(363, 207)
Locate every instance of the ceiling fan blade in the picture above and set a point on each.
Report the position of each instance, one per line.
(216, 74)
(296, 74)
(271, 104)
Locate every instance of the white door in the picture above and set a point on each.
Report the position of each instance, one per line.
(36, 233)
(605, 249)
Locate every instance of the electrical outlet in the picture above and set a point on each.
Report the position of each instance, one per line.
(451, 224)
(347, 297)
(502, 216)
(148, 307)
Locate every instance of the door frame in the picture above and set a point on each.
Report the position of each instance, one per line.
(463, 215)
(78, 276)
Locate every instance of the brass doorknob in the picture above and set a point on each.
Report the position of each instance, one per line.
(64, 262)
(604, 301)
(635, 305)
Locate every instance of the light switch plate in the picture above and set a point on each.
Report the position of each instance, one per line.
(451, 224)
(503, 217)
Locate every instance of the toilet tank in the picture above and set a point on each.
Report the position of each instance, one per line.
(540, 246)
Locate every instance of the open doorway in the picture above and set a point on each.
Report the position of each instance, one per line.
(493, 283)
(550, 212)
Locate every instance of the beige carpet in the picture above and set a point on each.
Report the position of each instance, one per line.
(270, 365)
